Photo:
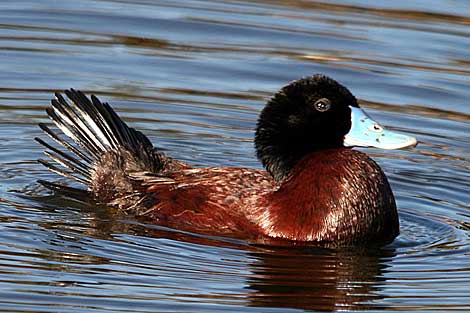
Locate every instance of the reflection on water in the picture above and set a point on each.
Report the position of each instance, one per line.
(319, 280)
(193, 75)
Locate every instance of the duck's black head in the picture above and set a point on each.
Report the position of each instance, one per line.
(307, 115)
(312, 114)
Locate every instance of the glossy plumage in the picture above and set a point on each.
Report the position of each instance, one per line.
(315, 191)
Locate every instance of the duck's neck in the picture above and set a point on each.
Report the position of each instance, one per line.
(280, 149)
(278, 158)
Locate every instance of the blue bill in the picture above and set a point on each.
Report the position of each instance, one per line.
(365, 132)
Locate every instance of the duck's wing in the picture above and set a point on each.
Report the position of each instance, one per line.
(103, 150)
(192, 200)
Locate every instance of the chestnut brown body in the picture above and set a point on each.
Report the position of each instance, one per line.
(337, 196)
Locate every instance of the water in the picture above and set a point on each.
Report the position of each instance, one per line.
(193, 75)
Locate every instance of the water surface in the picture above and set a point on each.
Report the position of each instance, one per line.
(193, 76)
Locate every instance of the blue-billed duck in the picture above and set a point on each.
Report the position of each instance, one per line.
(316, 189)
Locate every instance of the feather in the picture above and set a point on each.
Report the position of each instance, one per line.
(105, 148)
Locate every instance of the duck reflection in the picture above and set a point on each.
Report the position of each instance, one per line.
(306, 278)
(317, 279)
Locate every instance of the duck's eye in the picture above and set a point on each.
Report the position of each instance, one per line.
(322, 105)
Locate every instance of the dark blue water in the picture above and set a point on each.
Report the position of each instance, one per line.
(193, 75)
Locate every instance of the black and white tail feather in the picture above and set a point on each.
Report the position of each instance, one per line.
(106, 156)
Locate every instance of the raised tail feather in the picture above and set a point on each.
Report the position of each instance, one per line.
(105, 153)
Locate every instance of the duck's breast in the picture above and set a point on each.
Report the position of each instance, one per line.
(338, 196)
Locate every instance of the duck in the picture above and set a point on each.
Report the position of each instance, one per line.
(315, 188)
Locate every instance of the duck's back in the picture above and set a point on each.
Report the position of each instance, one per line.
(208, 200)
